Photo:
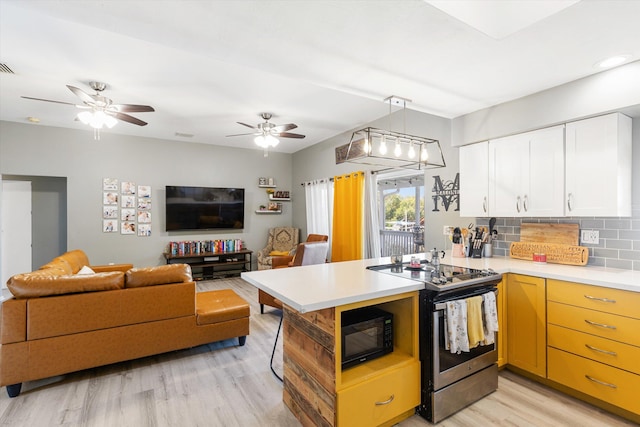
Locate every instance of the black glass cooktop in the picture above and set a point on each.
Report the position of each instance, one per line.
(440, 278)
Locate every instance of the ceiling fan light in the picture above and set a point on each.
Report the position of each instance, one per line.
(85, 117)
(271, 141)
(110, 121)
(260, 141)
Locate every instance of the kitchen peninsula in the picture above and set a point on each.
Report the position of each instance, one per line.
(314, 296)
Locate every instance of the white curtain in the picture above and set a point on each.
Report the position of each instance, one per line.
(371, 217)
(319, 205)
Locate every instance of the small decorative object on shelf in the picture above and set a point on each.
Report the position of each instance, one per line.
(279, 195)
(262, 181)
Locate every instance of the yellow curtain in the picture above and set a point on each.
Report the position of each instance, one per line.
(348, 205)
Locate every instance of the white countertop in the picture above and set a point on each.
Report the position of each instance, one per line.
(315, 287)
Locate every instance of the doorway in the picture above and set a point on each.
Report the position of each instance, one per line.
(47, 237)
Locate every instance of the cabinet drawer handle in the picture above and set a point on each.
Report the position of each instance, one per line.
(602, 325)
(599, 299)
(600, 382)
(386, 402)
(518, 204)
(484, 204)
(569, 201)
(611, 353)
(524, 203)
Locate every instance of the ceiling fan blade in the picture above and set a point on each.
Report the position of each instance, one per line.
(47, 100)
(283, 128)
(131, 108)
(127, 118)
(249, 126)
(290, 135)
(86, 98)
(242, 134)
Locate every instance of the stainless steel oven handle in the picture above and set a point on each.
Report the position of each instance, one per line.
(386, 402)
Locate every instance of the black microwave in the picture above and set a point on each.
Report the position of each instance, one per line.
(367, 333)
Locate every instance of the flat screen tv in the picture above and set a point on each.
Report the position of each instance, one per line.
(204, 208)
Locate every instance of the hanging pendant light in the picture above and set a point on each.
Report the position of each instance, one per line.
(409, 151)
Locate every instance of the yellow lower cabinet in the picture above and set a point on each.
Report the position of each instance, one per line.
(613, 353)
(606, 325)
(526, 323)
(380, 399)
(612, 385)
(502, 323)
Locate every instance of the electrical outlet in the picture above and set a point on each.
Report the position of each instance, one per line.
(447, 230)
(591, 237)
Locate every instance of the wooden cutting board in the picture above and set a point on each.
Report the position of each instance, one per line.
(556, 253)
(565, 234)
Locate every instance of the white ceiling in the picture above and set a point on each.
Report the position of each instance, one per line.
(324, 65)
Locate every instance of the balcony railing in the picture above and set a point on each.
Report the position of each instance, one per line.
(403, 242)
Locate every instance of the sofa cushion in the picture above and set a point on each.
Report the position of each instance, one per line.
(42, 283)
(220, 306)
(160, 275)
(76, 259)
(57, 264)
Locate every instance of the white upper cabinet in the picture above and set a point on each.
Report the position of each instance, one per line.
(526, 174)
(598, 166)
(474, 179)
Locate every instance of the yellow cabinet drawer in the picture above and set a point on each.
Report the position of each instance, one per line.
(380, 399)
(612, 385)
(619, 328)
(602, 350)
(623, 303)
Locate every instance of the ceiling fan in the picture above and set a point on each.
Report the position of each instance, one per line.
(267, 133)
(99, 110)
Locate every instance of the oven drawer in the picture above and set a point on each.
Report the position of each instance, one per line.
(616, 301)
(612, 385)
(619, 328)
(602, 350)
(380, 399)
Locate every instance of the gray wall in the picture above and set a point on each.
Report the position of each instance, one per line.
(36, 150)
(613, 90)
(318, 161)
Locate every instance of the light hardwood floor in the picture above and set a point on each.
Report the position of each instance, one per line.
(221, 384)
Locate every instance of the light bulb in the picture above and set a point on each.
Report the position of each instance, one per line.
(424, 156)
(383, 145)
(260, 142)
(412, 151)
(397, 151)
(271, 140)
(85, 117)
(110, 121)
(367, 147)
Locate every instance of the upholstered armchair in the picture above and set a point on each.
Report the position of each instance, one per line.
(307, 253)
(280, 242)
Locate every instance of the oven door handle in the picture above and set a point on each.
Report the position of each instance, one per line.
(443, 305)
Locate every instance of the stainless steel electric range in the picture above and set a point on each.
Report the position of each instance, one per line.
(450, 381)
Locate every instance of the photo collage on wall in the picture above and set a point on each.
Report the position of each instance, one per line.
(126, 207)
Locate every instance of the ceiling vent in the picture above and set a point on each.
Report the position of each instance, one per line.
(4, 68)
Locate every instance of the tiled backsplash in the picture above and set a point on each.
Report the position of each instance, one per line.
(619, 245)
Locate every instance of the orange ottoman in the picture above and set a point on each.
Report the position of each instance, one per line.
(223, 305)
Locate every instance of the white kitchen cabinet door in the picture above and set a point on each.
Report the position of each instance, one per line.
(526, 174)
(474, 180)
(598, 166)
(507, 158)
(544, 193)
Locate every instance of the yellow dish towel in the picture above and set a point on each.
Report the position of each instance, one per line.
(475, 327)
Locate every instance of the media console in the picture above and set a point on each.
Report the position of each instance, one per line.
(209, 265)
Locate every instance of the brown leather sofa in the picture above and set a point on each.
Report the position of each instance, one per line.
(60, 321)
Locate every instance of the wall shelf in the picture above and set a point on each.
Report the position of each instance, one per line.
(267, 211)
